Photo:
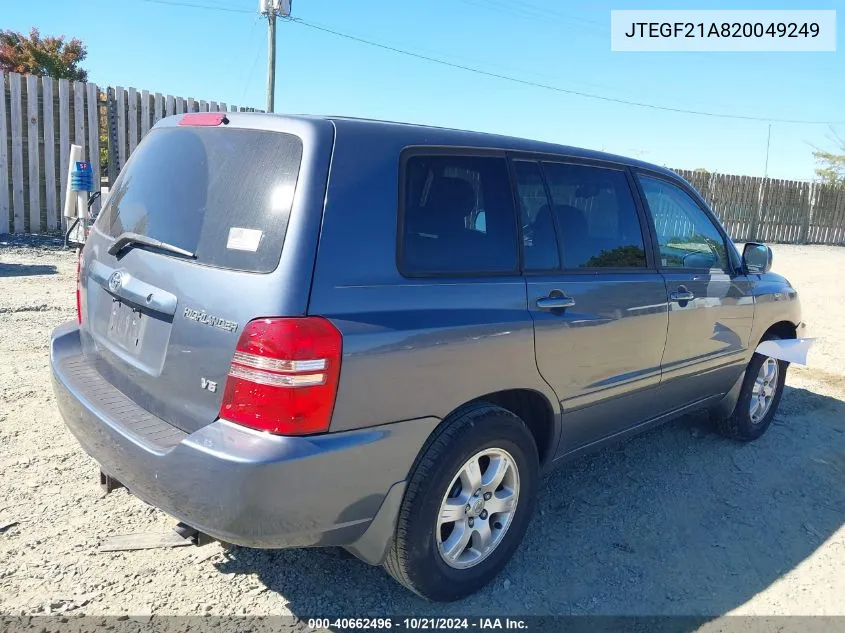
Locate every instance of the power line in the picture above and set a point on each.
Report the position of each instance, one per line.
(555, 19)
(226, 4)
(566, 16)
(534, 15)
(175, 3)
(539, 14)
(255, 59)
(536, 84)
(510, 78)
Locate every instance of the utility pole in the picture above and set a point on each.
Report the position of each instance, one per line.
(270, 9)
(761, 192)
(271, 61)
(768, 143)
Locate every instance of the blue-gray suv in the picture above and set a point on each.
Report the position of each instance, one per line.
(305, 331)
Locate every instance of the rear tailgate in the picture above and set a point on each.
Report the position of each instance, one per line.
(162, 326)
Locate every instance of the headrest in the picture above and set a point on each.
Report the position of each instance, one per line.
(571, 219)
(452, 197)
(543, 219)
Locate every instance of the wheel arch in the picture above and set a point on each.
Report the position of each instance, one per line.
(781, 329)
(535, 410)
(784, 329)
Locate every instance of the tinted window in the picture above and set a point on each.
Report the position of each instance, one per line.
(686, 236)
(224, 194)
(539, 244)
(597, 217)
(458, 215)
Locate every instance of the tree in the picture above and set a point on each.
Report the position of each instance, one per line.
(831, 165)
(51, 56)
(619, 257)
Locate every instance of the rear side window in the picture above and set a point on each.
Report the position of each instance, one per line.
(597, 217)
(223, 194)
(458, 216)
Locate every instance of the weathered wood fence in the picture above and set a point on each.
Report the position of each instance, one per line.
(136, 111)
(40, 117)
(770, 210)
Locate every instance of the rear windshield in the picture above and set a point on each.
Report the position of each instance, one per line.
(223, 194)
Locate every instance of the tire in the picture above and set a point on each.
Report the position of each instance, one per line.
(741, 424)
(415, 558)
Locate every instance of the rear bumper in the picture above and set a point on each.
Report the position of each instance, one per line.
(235, 484)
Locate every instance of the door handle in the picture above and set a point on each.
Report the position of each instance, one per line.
(682, 295)
(555, 303)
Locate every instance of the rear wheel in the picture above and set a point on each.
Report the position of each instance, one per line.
(759, 398)
(468, 503)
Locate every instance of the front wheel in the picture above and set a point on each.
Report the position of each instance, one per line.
(758, 401)
(467, 505)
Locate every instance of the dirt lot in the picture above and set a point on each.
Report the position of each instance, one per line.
(676, 521)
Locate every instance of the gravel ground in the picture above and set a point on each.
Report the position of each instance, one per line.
(675, 521)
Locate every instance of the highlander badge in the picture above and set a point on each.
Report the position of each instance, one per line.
(201, 316)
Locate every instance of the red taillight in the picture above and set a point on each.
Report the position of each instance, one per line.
(79, 289)
(210, 119)
(284, 375)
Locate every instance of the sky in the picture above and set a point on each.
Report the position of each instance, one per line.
(217, 50)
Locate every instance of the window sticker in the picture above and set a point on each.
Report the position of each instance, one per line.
(243, 239)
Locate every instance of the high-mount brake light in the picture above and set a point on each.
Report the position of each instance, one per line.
(209, 119)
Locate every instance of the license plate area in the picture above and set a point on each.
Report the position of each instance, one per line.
(126, 326)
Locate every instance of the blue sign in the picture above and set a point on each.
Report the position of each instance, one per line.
(82, 177)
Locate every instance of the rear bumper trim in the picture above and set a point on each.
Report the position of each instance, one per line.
(236, 484)
(97, 394)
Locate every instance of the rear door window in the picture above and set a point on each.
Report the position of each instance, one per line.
(597, 217)
(223, 194)
(458, 216)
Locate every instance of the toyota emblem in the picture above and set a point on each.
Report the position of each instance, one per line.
(115, 281)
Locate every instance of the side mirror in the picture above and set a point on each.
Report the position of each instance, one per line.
(757, 258)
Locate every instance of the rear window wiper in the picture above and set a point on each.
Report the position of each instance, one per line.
(129, 239)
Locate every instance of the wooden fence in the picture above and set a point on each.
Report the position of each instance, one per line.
(138, 110)
(770, 210)
(40, 117)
